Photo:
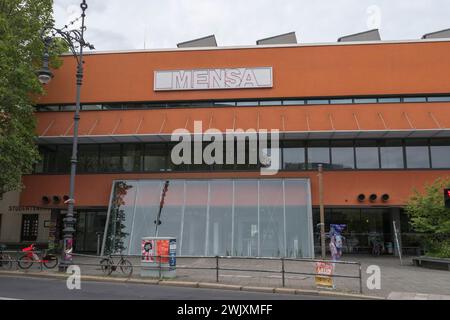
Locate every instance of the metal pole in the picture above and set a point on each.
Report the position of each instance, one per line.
(399, 249)
(360, 279)
(322, 212)
(282, 272)
(217, 268)
(69, 220)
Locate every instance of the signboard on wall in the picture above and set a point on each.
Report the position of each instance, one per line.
(210, 79)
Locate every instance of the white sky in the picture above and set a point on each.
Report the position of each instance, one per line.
(120, 24)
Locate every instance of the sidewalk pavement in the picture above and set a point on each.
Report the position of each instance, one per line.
(397, 281)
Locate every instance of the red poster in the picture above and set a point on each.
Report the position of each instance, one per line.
(163, 250)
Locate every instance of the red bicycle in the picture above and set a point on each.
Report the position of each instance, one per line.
(48, 260)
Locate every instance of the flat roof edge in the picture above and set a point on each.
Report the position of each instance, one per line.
(266, 46)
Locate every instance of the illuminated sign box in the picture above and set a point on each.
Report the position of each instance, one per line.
(211, 79)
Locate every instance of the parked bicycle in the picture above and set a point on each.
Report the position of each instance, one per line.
(50, 261)
(107, 266)
(5, 259)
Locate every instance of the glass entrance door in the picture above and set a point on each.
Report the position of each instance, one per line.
(89, 225)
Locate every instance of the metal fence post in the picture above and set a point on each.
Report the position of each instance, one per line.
(282, 272)
(360, 279)
(159, 267)
(217, 268)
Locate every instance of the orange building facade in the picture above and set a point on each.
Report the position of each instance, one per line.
(376, 115)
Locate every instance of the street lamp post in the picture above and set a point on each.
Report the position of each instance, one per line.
(75, 41)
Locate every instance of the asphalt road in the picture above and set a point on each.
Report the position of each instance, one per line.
(54, 289)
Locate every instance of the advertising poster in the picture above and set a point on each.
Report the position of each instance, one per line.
(172, 253)
(323, 272)
(147, 250)
(163, 250)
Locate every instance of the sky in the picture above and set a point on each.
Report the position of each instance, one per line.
(155, 24)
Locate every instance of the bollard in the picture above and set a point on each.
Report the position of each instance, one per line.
(159, 267)
(99, 234)
(217, 268)
(282, 272)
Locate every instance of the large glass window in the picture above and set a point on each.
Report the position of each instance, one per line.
(246, 232)
(121, 218)
(110, 160)
(440, 153)
(391, 152)
(220, 218)
(241, 217)
(155, 157)
(298, 217)
(132, 157)
(294, 156)
(88, 158)
(367, 155)
(48, 159)
(195, 218)
(342, 155)
(318, 153)
(271, 218)
(417, 154)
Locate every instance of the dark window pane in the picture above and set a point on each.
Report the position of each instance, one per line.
(132, 157)
(48, 159)
(110, 158)
(68, 108)
(391, 153)
(415, 99)
(293, 102)
(440, 153)
(293, 158)
(417, 154)
(64, 156)
(48, 108)
(341, 101)
(225, 103)
(91, 107)
(367, 155)
(389, 100)
(439, 99)
(133, 106)
(366, 100)
(88, 158)
(342, 156)
(117, 106)
(318, 152)
(155, 157)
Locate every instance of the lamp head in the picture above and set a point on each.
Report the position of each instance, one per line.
(45, 75)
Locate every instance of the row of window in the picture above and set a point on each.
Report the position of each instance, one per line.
(208, 104)
(295, 155)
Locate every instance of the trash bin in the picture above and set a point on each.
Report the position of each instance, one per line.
(158, 257)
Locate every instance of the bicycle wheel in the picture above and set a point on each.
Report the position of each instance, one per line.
(126, 267)
(25, 262)
(6, 261)
(106, 266)
(50, 261)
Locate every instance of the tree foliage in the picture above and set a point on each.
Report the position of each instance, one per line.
(429, 215)
(21, 51)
